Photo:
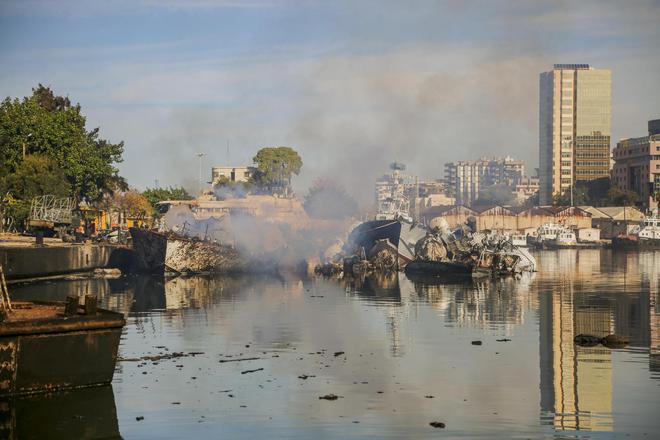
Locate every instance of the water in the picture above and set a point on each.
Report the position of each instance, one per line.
(403, 342)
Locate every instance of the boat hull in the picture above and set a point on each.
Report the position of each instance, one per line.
(368, 233)
(150, 248)
(42, 355)
(437, 268)
(634, 243)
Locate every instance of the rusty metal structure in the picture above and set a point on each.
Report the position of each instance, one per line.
(49, 211)
(57, 351)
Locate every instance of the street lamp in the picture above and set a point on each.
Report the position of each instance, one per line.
(200, 155)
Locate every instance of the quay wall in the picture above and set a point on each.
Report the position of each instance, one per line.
(39, 261)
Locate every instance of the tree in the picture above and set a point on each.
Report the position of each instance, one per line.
(328, 200)
(155, 195)
(132, 204)
(499, 194)
(580, 196)
(274, 167)
(621, 197)
(37, 175)
(50, 125)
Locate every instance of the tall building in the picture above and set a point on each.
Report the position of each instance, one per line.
(575, 109)
(465, 178)
(637, 164)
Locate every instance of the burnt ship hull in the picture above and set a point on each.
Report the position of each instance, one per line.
(157, 253)
(368, 233)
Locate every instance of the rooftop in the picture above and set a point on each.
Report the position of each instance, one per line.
(572, 66)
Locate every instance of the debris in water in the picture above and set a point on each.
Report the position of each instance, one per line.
(338, 353)
(503, 340)
(437, 424)
(329, 397)
(139, 418)
(238, 360)
(476, 342)
(252, 371)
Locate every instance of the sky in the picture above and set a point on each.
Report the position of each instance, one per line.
(351, 85)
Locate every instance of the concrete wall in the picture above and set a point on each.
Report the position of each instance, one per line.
(37, 261)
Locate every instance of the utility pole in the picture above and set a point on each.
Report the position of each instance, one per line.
(200, 155)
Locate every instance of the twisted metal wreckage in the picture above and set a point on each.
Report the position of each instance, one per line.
(383, 245)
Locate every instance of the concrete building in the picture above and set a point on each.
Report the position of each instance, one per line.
(614, 220)
(575, 109)
(526, 188)
(508, 219)
(233, 174)
(465, 178)
(637, 164)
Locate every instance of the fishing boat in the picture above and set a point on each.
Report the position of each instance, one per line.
(47, 346)
(645, 236)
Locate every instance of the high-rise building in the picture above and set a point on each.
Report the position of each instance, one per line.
(637, 165)
(466, 178)
(575, 109)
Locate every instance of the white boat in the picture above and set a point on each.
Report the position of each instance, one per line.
(565, 238)
(519, 240)
(548, 231)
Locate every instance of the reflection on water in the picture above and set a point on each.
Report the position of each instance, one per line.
(403, 339)
(81, 414)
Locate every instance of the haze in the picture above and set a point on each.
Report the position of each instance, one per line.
(351, 85)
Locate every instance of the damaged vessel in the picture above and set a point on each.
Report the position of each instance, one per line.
(159, 252)
(46, 346)
(466, 252)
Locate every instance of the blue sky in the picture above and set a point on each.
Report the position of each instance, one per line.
(351, 85)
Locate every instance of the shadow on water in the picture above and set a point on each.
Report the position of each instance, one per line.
(85, 414)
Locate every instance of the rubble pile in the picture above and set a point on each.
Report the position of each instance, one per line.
(190, 255)
(475, 251)
(441, 251)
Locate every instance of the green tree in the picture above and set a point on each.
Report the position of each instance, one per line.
(37, 175)
(50, 125)
(621, 197)
(274, 167)
(155, 195)
(499, 194)
(329, 200)
(580, 196)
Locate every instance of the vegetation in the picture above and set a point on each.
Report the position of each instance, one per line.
(36, 175)
(132, 204)
(328, 200)
(621, 197)
(274, 168)
(51, 126)
(598, 192)
(155, 195)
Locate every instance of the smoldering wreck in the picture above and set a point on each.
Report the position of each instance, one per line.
(435, 250)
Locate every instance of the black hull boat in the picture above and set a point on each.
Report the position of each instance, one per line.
(634, 242)
(43, 350)
(438, 268)
(368, 233)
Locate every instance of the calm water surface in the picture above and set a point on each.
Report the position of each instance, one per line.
(407, 360)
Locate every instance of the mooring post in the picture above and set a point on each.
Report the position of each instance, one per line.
(71, 305)
(90, 304)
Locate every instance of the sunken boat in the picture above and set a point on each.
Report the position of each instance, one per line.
(48, 346)
(159, 252)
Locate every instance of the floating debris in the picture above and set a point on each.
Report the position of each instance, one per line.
(437, 424)
(252, 371)
(329, 397)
